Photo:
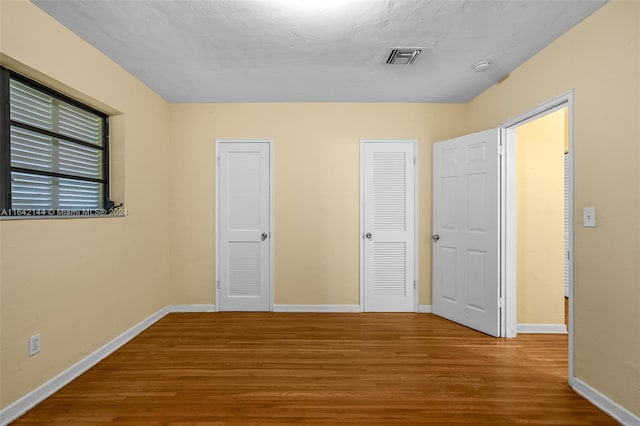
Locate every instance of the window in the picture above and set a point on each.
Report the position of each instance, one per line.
(53, 152)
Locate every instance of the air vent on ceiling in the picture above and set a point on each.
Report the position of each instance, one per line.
(403, 56)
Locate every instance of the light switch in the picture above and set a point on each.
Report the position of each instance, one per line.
(589, 217)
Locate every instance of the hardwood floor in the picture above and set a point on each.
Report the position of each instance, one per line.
(257, 368)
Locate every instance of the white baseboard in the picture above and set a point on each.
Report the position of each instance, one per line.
(601, 401)
(316, 308)
(192, 308)
(541, 328)
(424, 309)
(30, 400)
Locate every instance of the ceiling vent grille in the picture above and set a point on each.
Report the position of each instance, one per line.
(403, 56)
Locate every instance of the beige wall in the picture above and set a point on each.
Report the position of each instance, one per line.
(599, 59)
(316, 195)
(82, 282)
(125, 269)
(540, 221)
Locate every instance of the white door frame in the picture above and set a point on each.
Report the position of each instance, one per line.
(416, 203)
(216, 284)
(508, 242)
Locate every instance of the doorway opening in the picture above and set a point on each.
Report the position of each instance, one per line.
(537, 230)
(541, 145)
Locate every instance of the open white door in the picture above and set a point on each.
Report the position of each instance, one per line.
(466, 283)
(388, 225)
(244, 249)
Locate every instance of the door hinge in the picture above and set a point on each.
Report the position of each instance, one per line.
(218, 284)
(218, 160)
(501, 303)
(414, 160)
(414, 284)
(500, 150)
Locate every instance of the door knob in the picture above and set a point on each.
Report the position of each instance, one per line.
(435, 238)
(264, 236)
(368, 235)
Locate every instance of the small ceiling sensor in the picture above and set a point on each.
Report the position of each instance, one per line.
(481, 66)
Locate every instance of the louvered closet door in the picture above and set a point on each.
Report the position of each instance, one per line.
(244, 258)
(389, 226)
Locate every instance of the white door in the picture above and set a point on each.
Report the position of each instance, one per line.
(388, 225)
(466, 285)
(244, 244)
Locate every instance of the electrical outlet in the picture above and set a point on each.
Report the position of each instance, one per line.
(34, 344)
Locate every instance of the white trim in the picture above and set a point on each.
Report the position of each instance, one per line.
(272, 216)
(566, 99)
(424, 309)
(316, 308)
(416, 218)
(604, 403)
(539, 111)
(571, 211)
(542, 328)
(416, 239)
(361, 227)
(216, 224)
(217, 215)
(508, 234)
(33, 398)
(192, 308)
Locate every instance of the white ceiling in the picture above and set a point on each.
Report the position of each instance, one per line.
(317, 50)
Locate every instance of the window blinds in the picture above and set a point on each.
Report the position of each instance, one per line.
(56, 152)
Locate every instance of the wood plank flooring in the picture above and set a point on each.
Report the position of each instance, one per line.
(364, 369)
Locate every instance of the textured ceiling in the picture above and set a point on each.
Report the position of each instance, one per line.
(309, 51)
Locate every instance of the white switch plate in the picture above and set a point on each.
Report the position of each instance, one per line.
(589, 217)
(34, 344)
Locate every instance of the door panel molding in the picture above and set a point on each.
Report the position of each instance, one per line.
(466, 278)
(217, 229)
